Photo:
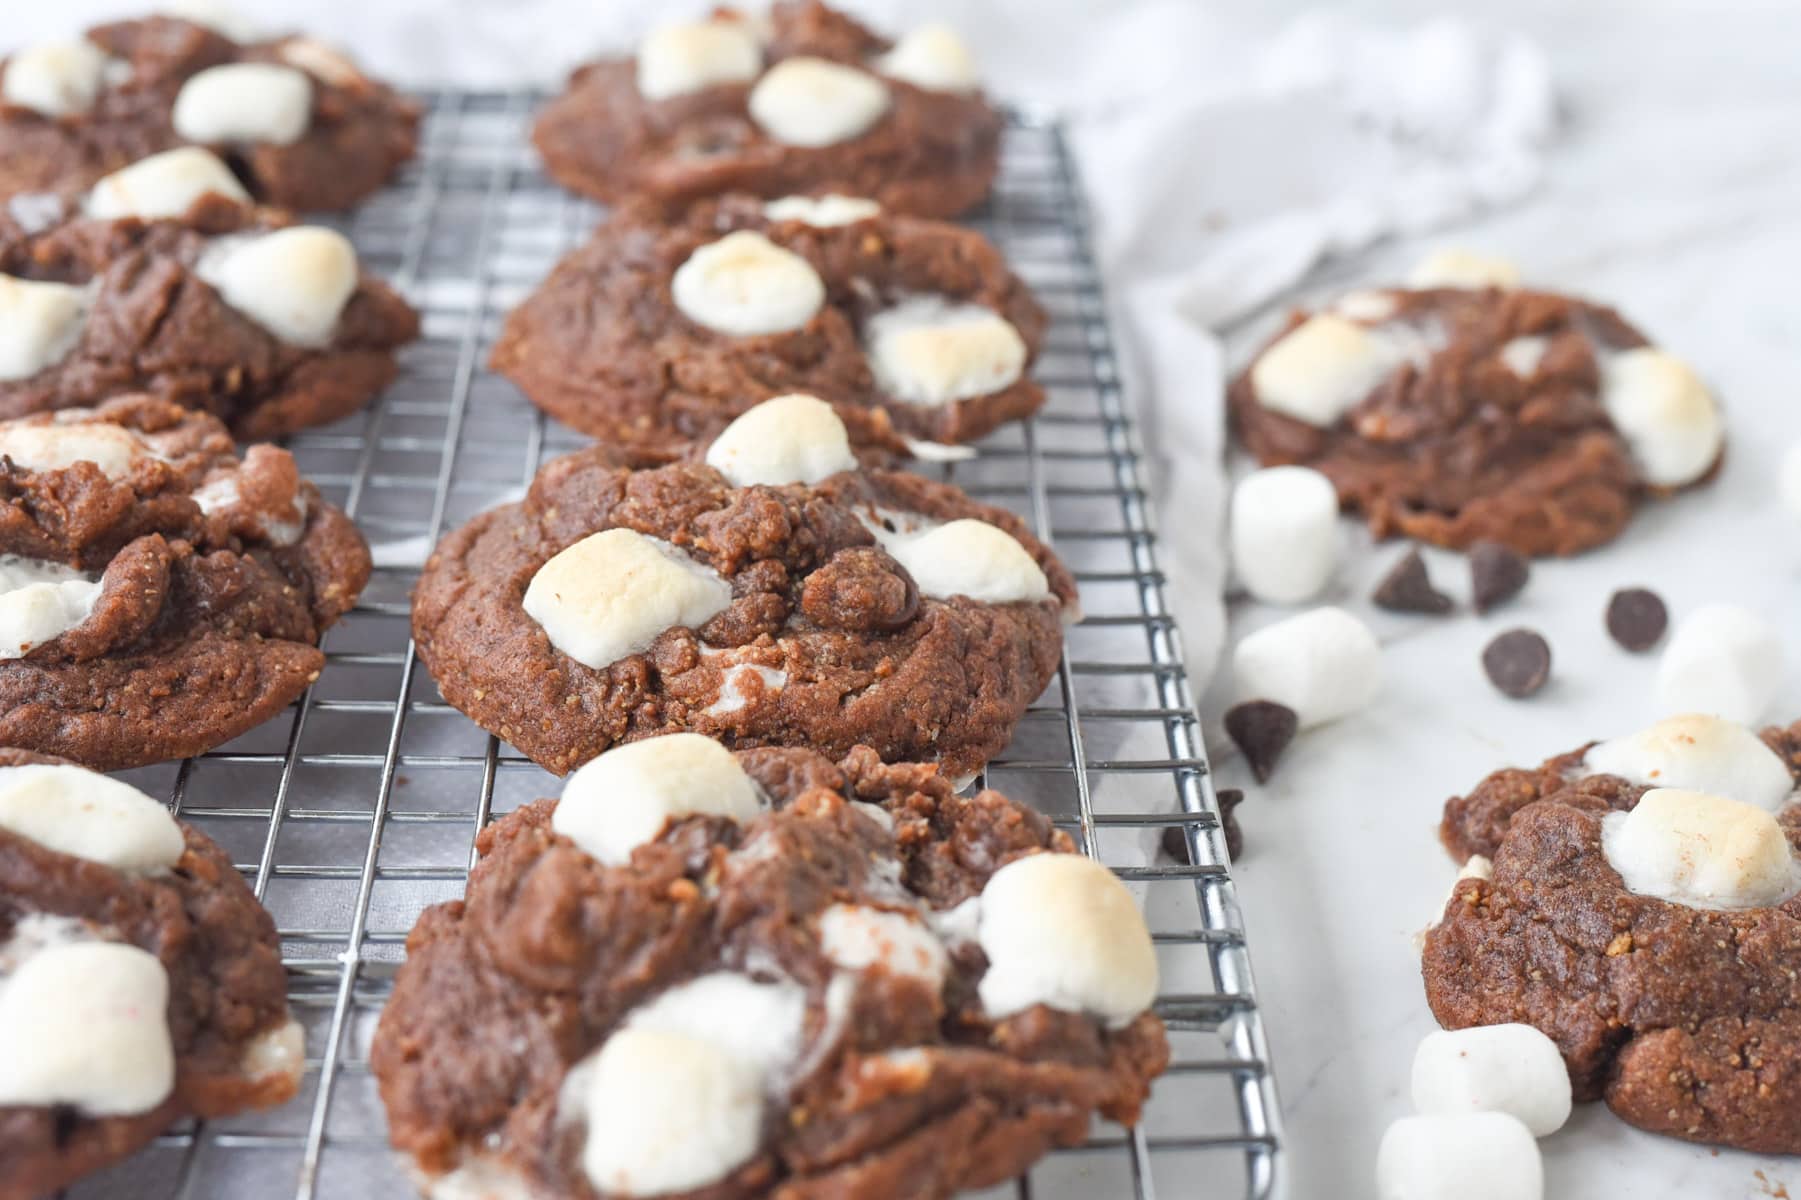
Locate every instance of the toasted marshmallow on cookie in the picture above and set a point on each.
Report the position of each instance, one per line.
(612, 593)
(674, 60)
(932, 57)
(1321, 369)
(81, 813)
(811, 102)
(789, 439)
(745, 285)
(931, 351)
(40, 445)
(1698, 753)
(1665, 413)
(40, 601)
(822, 212)
(39, 324)
(293, 282)
(56, 79)
(627, 796)
(245, 102)
(1701, 851)
(163, 185)
(967, 557)
(1452, 268)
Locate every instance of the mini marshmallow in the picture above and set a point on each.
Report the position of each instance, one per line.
(1321, 369)
(39, 324)
(72, 810)
(613, 592)
(744, 284)
(1522, 355)
(87, 1025)
(732, 696)
(1284, 533)
(220, 16)
(927, 350)
(293, 282)
(1701, 851)
(40, 601)
(321, 60)
(1724, 660)
(674, 60)
(1788, 481)
(1463, 269)
(37, 446)
(1698, 753)
(970, 558)
(1469, 1156)
(1324, 664)
(812, 102)
(932, 57)
(1512, 1069)
(163, 185)
(822, 212)
(1665, 413)
(245, 102)
(856, 938)
(627, 796)
(59, 79)
(790, 439)
(1063, 931)
(1367, 305)
(759, 1022)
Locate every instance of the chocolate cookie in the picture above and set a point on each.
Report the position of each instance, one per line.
(1644, 911)
(159, 282)
(140, 981)
(158, 596)
(1455, 413)
(771, 594)
(806, 97)
(700, 974)
(662, 329)
(300, 123)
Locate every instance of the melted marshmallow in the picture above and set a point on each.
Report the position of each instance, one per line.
(293, 282)
(72, 810)
(790, 439)
(822, 212)
(932, 57)
(969, 558)
(627, 796)
(746, 285)
(163, 185)
(40, 601)
(40, 323)
(58, 79)
(928, 350)
(245, 102)
(1701, 851)
(59, 445)
(674, 60)
(1701, 754)
(811, 102)
(858, 938)
(614, 592)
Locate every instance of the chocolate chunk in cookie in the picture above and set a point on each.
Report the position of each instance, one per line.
(160, 280)
(1636, 618)
(662, 329)
(303, 127)
(805, 98)
(140, 981)
(765, 974)
(1408, 588)
(158, 595)
(839, 607)
(1453, 412)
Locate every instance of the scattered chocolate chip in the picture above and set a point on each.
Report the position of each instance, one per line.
(1229, 799)
(1637, 618)
(1408, 588)
(1497, 572)
(1518, 662)
(1175, 843)
(1261, 729)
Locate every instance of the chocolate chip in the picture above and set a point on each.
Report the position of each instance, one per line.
(1408, 588)
(1637, 618)
(1175, 843)
(1518, 662)
(1261, 729)
(1496, 573)
(1175, 837)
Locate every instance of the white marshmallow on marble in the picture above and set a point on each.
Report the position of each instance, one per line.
(1063, 931)
(39, 324)
(744, 284)
(1321, 369)
(1513, 1069)
(58, 79)
(1701, 851)
(163, 185)
(789, 439)
(613, 592)
(932, 57)
(72, 810)
(245, 102)
(1324, 664)
(1724, 660)
(674, 60)
(811, 102)
(293, 282)
(1665, 413)
(56, 446)
(1463, 269)
(970, 558)
(856, 938)
(625, 798)
(927, 350)
(1788, 481)
(822, 212)
(86, 1024)
(1472, 1156)
(39, 601)
(1284, 533)
(322, 60)
(1700, 754)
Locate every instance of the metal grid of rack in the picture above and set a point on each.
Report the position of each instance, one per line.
(357, 808)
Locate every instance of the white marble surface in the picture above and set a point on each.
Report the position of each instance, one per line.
(1673, 195)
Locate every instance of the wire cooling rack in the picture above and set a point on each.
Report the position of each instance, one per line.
(357, 808)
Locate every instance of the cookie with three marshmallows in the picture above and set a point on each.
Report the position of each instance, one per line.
(707, 974)
(662, 329)
(766, 592)
(1644, 911)
(163, 278)
(304, 127)
(140, 981)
